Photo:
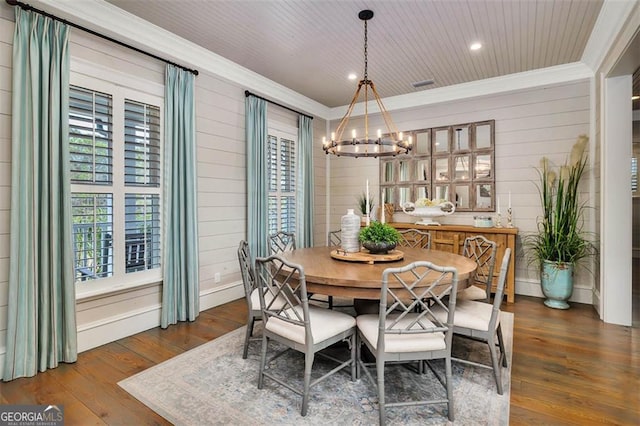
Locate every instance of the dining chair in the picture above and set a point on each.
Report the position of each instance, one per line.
(251, 293)
(415, 238)
(334, 238)
(299, 326)
(282, 241)
(483, 252)
(405, 329)
(481, 321)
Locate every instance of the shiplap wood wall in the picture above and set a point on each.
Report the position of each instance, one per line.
(529, 124)
(221, 183)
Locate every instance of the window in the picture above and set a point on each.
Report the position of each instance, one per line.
(281, 168)
(455, 163)
(115, 161)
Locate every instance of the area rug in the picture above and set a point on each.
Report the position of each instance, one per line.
(213, 385)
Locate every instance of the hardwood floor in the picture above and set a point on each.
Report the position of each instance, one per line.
(568, 368)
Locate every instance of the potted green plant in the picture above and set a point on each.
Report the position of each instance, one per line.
(560, 241)
(379, 237)
(362, 206)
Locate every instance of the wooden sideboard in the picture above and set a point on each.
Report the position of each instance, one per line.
(451, 238)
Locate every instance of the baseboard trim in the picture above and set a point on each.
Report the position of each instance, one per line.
(124, 325)
(526, 287)
(117, 327)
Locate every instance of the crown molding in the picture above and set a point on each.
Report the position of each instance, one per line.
(490, 86)
(611, 19)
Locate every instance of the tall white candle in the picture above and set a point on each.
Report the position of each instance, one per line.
(498, 204)
(382, 216)
(509, 199)
(367, 202)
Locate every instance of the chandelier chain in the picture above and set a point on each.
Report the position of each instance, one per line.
(366, 62)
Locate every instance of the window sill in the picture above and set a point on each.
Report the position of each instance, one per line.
(94, 294)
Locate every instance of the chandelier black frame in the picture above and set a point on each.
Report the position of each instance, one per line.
(387, 145)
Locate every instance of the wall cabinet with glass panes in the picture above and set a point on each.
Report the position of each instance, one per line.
(454, 163)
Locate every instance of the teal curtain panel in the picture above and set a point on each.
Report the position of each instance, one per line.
(41, 317)
(180, 290)
(304, 232)
(257, 175)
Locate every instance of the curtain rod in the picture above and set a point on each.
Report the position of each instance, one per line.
(248, 93)
(64, 21)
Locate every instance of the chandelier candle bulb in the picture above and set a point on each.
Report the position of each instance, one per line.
(379, 133)
(353, 133)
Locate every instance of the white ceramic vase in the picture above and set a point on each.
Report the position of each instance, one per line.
(350, 229)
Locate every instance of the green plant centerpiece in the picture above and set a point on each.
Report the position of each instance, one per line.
(379, 237)
(362, 204)
(560, 241)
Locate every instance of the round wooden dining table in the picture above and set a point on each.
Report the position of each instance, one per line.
(341, 278)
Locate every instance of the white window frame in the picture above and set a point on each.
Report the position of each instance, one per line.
(120, 280)
(281, 131)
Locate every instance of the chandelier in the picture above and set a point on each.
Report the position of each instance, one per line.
(389, 144)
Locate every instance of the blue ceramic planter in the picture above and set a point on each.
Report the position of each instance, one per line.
(557, 283)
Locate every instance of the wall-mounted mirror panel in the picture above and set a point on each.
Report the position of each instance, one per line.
(389, 195)
(442, 169)
(441, 192)
(482, 166)
(404, 195)
(387, 172)
(453, 162)
(484, 136)
(461, 167)
(484, 196)
(441, 140)
(463, 197)
(404, 170)
(461, 138)
(423, 142)
(423, 192)
(423, 167)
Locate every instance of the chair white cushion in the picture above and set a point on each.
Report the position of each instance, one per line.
(469, 314)
(268, 297)
(472, 293)
(401, 343)
(325, 323)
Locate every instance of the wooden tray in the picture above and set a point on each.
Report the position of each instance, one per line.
(366, 257)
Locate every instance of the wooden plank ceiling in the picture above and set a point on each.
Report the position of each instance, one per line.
(311, 46)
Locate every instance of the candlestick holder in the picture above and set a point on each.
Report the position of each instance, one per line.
(498, 223)
(509, 218)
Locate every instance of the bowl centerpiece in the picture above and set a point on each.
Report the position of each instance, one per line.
(379, 237)
(427, 209)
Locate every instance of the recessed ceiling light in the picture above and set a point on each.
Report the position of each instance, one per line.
(635, 97)
(352, 76)
(475, 46)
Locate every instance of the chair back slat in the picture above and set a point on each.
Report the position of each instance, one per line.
(414, 238)
(282, 241)
(502, 279)
(483, 252)
(334, 238)
(283, 292)
(247, 271)
(411, 292)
